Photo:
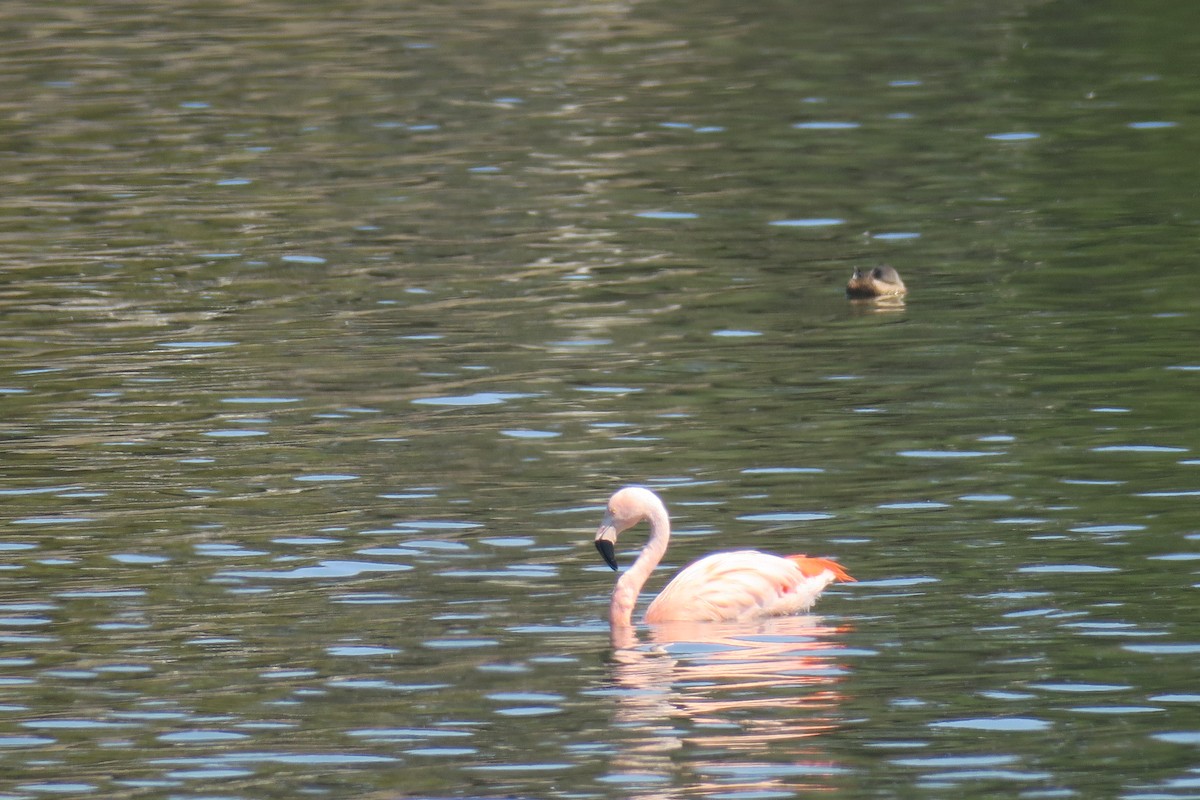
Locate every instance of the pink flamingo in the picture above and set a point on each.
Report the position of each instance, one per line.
(735, 585)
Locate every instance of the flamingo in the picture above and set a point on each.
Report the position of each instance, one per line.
(735, 585)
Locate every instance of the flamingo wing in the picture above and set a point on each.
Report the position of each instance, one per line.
(743, 584)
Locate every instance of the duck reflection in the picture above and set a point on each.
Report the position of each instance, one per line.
(733, 697)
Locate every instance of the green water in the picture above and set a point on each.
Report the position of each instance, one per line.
(328, 329)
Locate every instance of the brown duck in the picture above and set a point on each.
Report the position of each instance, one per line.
(882, 281)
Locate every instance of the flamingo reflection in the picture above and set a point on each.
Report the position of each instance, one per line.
(745, 703)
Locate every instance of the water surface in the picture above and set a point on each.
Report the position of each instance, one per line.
(329, 330)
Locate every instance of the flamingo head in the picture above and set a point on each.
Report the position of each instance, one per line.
(626, 508)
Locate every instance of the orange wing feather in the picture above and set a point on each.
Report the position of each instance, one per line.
(812, 567)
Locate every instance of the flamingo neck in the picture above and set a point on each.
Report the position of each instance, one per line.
(630, 584)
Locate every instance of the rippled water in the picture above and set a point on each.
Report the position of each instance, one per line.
(328, 330)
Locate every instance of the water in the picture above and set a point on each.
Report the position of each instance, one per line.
(328, 331)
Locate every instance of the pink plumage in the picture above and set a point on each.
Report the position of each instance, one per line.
(735, 585)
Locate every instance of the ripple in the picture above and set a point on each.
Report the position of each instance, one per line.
(995, 724)
(403, 552)
(1054, 569)
(210, 773)
(326, 569)
(526, 697)
(71, 674)
(736, 334)
(40, 490)
(100, 593)
(1163, 649)
(225, 550)
(408, 733)
(898, 582)
(1107, 528)
(57, 788)
(1081, 687)
(302, 259)
(25, 741)
(955, 761)
(305, 540)
(1178, 737)
(308, 758)
(288, 673)
(634, 778)
(764, 772)
(986, 775)
(196, 345)
(785, 516)
(522, 433)
(1152, 125)
(915, 505)
(437, 525)
(814, 222)
(459, 644)
(442, 752)
(508, 541)
(476, 399)
(608, 389)
(666, 215)
(1015, 136)
(508, 573)
(189, 737)
(528, 711)
(546, 766)
(138, 558)
(355, 651)
(326, 478)
(947, 453)
(1138, 448)
(378, 683)
(72, 724)
(826, 125)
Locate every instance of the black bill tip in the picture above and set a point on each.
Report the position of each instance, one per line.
(607, 553)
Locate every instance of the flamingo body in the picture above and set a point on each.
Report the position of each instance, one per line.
(743, 584)
(734, 585)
